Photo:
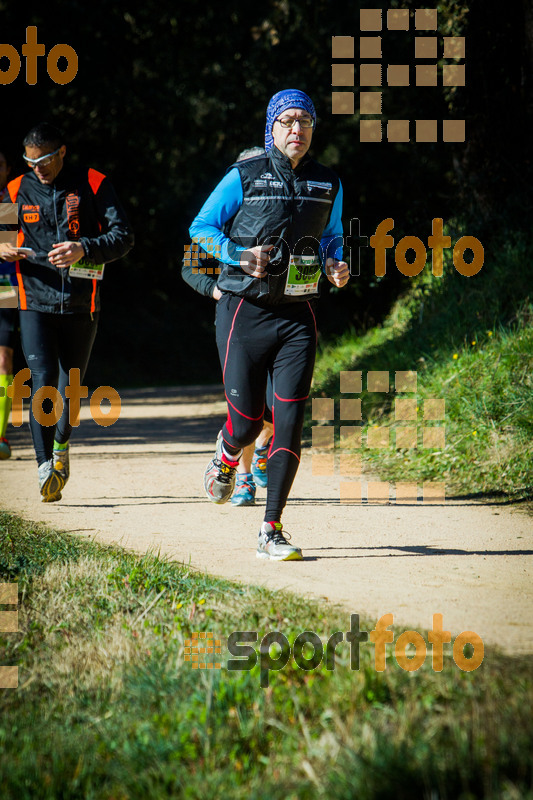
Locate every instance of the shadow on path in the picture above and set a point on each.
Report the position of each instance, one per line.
(419, 550)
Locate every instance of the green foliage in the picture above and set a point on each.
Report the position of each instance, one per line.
(28, 549)
(470, 340)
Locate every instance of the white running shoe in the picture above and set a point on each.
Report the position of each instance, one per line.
(50, 482)
(272, 544)
(219, 477)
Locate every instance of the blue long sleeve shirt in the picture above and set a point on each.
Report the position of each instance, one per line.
(224, 202)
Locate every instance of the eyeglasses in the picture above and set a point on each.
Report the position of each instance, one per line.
(43, 161)
(290, 122)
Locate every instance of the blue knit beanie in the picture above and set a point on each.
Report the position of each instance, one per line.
(280, 102)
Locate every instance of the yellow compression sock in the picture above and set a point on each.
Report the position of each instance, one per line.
(5, 402)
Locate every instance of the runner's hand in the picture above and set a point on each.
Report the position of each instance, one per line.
(338, 272)
(254, 260)
(65, 254)
(9, 252)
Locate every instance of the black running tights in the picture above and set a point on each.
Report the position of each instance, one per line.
(53, 344)
(254, 342)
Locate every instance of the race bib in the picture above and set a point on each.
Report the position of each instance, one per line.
(303, 275)
(83, 270)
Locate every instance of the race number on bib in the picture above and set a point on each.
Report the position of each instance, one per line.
(83, 270)
(303, 275)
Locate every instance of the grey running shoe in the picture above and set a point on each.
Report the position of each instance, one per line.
(219, 477)
(50, 482)
(61, 459)
(273, 544)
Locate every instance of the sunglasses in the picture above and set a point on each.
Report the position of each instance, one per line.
(43, 161)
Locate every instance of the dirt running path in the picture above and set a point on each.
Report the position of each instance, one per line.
(139, 483)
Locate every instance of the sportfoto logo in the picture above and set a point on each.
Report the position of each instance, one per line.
(308, 650)
(74, 392)
(9, 215)
(407, 410)
(9, 623)
(31, 50)
(198, 255)
(375, 72)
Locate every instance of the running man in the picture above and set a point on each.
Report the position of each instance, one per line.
(274, 221)
(74, 223)
(252, 469)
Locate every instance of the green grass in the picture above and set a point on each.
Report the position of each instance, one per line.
(108, 708)
(470, 341)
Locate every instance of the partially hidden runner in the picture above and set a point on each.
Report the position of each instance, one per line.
(274, 221)
(73, 224)
(252, 469)
(8, 315)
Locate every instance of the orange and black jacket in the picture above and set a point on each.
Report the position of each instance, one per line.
(80, 205)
